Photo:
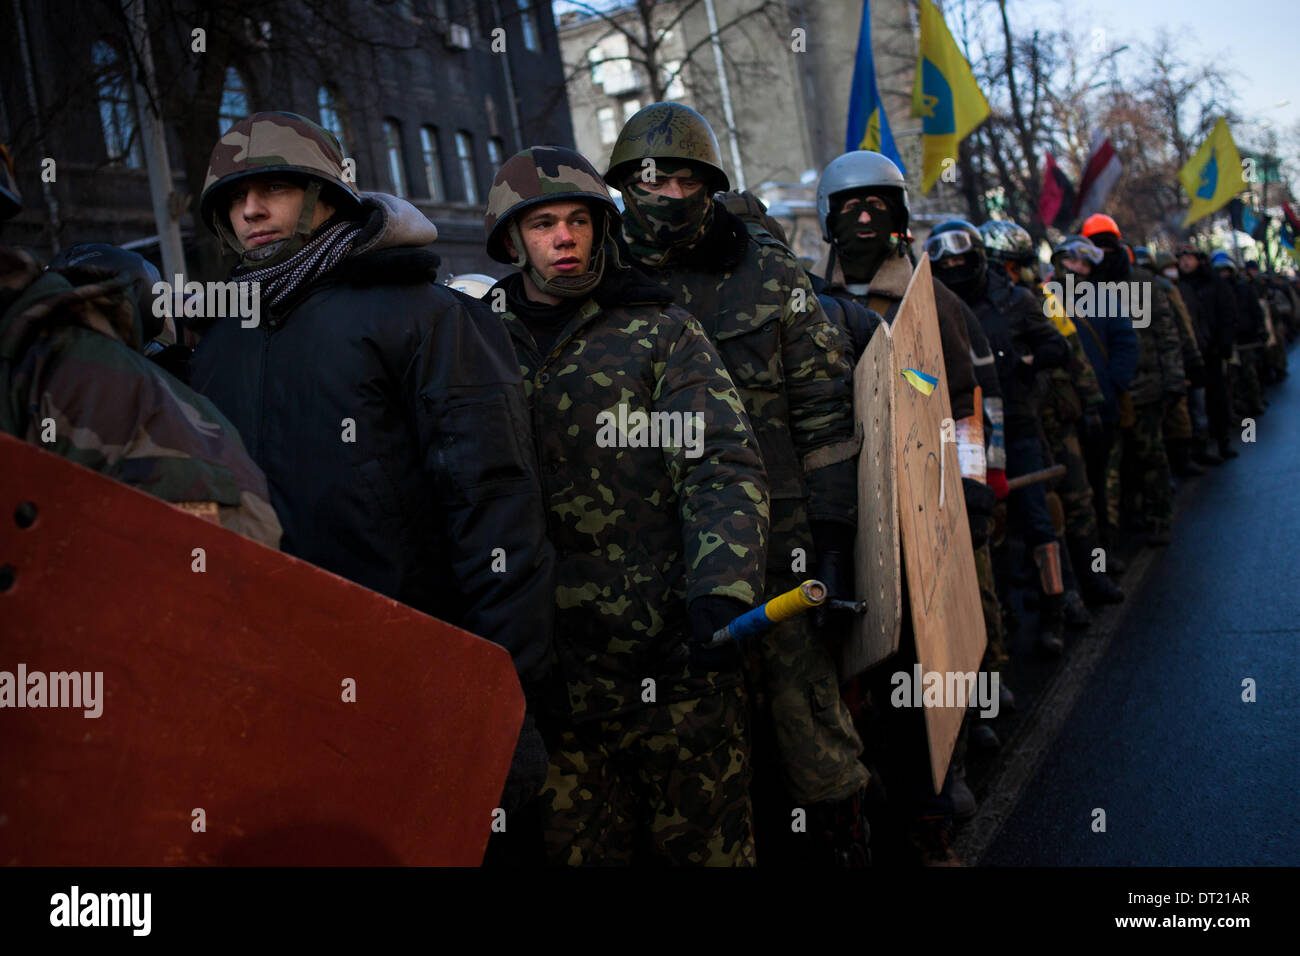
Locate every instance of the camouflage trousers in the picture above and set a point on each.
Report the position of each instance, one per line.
(1147, 464)
(1074, 490)
(1245, 382)
(1178, 421)
(794, 675)
(668, 783)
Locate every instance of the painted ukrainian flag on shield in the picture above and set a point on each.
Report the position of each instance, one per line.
(868, 124)
(944, 94)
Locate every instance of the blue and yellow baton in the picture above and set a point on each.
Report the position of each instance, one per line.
(806, 596)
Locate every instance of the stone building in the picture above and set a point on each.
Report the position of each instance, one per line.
(789, 72)
(426, 96)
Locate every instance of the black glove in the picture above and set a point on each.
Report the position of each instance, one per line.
(527, 768)
(980, 499)
(704, 617)
(834, 545)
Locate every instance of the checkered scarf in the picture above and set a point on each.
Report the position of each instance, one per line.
(318, 255)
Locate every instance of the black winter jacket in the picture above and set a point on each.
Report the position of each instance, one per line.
(1015, 326)
(389, 416)
(1214, 310)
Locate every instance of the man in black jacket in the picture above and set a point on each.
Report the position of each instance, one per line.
(387, 411)
(1214, 310)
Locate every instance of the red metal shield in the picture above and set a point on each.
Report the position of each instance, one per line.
(223, 691)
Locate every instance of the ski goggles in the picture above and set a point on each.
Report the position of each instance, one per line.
(1078, 248)
(955, 243)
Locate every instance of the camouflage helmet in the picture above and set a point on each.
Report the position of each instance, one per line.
(666, 131)
(11, 201)
(273, 142)
(1007, 241)
(540, 174)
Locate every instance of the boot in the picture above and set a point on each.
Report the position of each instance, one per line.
(931, 839)
(1076, 615)
(983, 738)
(1096, 587)
(1180, 459)
(1051, 604)
(963, 800)
(1006, 699)
(1204, 455)
(1051, 640)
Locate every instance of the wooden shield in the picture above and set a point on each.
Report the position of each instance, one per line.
(223, 691)
(876, 557)
(942, 588)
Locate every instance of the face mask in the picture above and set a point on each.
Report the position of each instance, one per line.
(655, 223)
(861, 257)
(1171, 272)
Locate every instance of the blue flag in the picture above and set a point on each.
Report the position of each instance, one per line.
(868, 125)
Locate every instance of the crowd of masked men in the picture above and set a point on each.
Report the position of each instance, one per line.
(474, 436)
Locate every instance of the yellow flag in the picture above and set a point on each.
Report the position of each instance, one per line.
(1213, 175)
(944, 95)
(1057, 314)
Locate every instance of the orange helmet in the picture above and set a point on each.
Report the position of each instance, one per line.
(1099, 222)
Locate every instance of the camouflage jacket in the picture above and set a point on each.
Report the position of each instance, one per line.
(639, 530)
(791, 365)
(72, 380)
(1067, 392)
(1160, 359)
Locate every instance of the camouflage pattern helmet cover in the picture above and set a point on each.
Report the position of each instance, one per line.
(11, 200)
(1007, 241)
(273, 142)
(540, 174)
(666, 131)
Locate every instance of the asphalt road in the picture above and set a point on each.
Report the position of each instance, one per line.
(1161, 740)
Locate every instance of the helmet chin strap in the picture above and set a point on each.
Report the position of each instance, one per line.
(273, 253)
(565, 287)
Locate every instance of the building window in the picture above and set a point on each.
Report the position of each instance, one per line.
(234, 101)
(527, 24)
(465, 155)
(432, 162)
(496, 153)
(331, 115)
(608, 128)
(673, 77)
(116, 118)
(393, 155)
(629, 109)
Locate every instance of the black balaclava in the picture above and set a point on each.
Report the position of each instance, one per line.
(1114, 265)
(861, 258)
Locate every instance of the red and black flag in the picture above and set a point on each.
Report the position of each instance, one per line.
(1056, 201)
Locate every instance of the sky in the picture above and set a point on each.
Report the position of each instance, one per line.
(1258, 39)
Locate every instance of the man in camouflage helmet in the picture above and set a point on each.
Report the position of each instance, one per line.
(792, 367)
(386, 410)
(74, 381)
(661, 534)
